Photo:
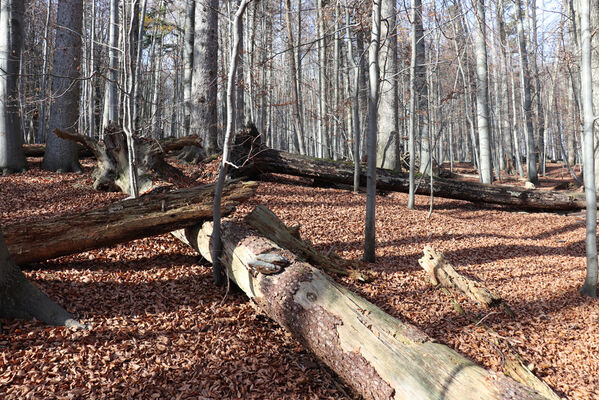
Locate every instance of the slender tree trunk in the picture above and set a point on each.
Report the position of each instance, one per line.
(416, 35)
(590, 284)
(217, 247)
(42, 119)
(12, 157)
(532, 7)
(63, 155)
(388, 137)
(188, 63)
(297, 119)
(323, 134)
(421, 88)
(373, 98)
(531, 159)
(111, 96)
(356, 100)
(482, 97)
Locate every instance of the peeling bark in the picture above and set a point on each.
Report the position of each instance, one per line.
(379, 356)
(120, 222)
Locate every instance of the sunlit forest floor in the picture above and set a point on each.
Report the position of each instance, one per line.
(162, 330)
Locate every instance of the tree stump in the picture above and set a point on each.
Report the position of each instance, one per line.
(112, 171)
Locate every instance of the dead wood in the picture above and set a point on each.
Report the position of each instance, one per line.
(259, 159)
(120, 222)
(38, 150)
(268, 224)
(441, 272)
(112, 170)
(379, 356)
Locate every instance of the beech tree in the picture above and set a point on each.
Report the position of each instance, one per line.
(388, 113)
(63, 155)
(204, 117)
(12, 157)
(373, 98)
(590, 283)
(482, 97)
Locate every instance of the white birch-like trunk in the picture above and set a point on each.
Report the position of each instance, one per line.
(388, 123)
(373, 98)
(586, 79)
(482, 97)
(111, 96)
(12, 157)
(216, 247)
(531, 158)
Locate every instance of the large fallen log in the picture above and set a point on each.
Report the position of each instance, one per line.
(255, 158)
(120, 222)
(379, 356)
(275, 161)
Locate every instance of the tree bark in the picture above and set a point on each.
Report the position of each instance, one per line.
(590, 283)
(120, 222)
(12, 157)
(19, 298)
(112, 171)
(388, 112)
(111, 97)
(273, 161)
(204, 117)
(62, 155)
(531, 158)
(373, 100)
(377, 355)
(482, 95)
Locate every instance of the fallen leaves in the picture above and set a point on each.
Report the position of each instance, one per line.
(160, 329)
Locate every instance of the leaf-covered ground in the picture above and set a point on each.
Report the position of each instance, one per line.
(162, 330)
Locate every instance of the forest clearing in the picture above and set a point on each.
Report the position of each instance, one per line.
(161, 329)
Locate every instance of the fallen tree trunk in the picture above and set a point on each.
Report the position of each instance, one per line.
(440, 271)
(379, 356)
(120, 222)
(38, 150)
(274, 161)
(268, 224)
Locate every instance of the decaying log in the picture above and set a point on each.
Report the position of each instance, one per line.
(440, 271)
(379, 356)
(173, 143)
(38, 150)
(120, 222)
(268, 224)
(112, 171)
(259, 159)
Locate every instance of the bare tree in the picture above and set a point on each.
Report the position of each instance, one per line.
(482, 96)
(205, 68)
(388, 113)
(590, 283)
(111, 96)
(12, 157)
(62, 155)
(373, 98)
(216, 244)
(531, 158)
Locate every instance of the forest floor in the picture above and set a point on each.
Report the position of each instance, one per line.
(161, 329)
